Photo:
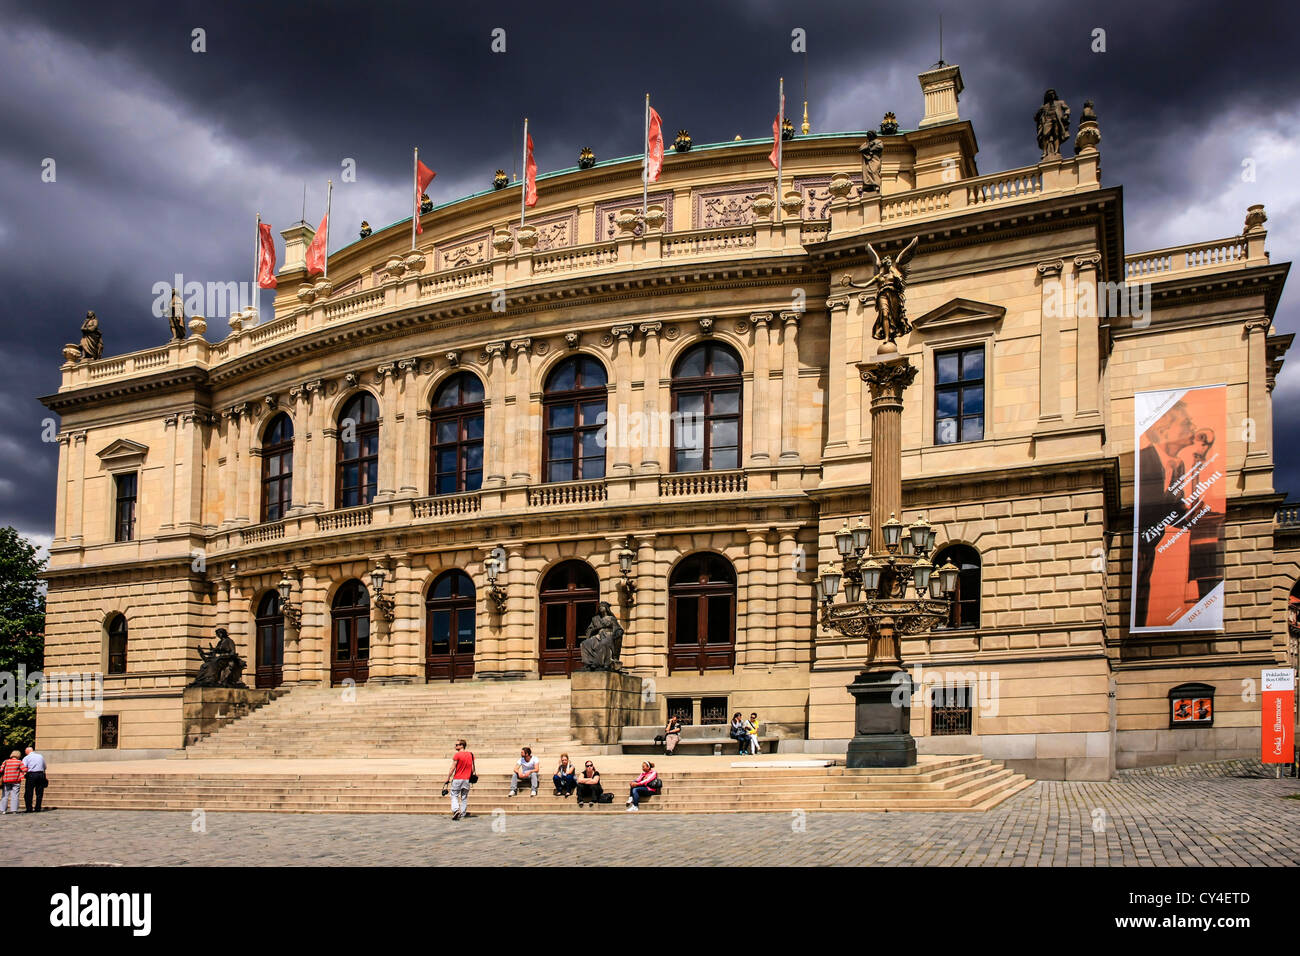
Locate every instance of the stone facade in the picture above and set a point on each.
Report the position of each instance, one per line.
(1044, 496)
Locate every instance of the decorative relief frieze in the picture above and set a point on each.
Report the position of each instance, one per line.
(714, 208)
(464, 251)
(816, 194)
(553, 232)
(607, 214)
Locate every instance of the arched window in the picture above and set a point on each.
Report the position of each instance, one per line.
(358, 472)
(706, 404)
(702, 614)
(456, 463)
(449, 654)
(966, 599)
(573, 410)
(277, 468)
(117, 645)
(350, 648)
(270, 641)
(570, 593)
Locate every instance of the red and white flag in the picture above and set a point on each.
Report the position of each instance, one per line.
(775, 156)
(316, 251)
(654, 150)
(265, 257)
(423, 176)
(530, 175)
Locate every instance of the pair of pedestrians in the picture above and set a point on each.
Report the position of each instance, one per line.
(13, 772)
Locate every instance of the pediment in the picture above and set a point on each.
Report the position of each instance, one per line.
(123, 453)
(960, 313)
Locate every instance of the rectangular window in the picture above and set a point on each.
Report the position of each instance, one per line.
(108, 732)
(950, 711)
(713, 711)
(959, 396)
(124, 516)
(683, 708)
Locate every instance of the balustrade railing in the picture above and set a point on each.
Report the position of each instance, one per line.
(1215, 254)
(269, 531)
(1288, 516)
(567, 493)
(344, 518)
(703, 483)
(440, 506)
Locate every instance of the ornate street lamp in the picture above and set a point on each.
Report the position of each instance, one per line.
(292, 612)
(626, 558)
(496, 593)
(891, 587)
(386, 605)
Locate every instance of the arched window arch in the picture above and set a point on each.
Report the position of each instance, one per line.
(350, 620)
(702, 614)
(706, 393)
(569, 595)
(573, 413)
(270, 641)
(117, 632)
(358, 470)
(277, 468)
(451, 613)
(966, 599)
(456, 462)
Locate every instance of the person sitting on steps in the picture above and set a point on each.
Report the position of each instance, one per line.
(565, 777)
(525, 768)
(589, 788)
(646, 785)
(739, 734)
(672, 734)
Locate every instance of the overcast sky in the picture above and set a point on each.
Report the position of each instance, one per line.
(163, 155)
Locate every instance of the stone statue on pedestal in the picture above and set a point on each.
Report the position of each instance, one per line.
(603, 641)
(222, 666)
(1053, 122)
(177, 317)
(92, 343)
(873, 151)
(890, 281)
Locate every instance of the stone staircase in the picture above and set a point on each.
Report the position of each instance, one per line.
(410, 721)
(953, 783)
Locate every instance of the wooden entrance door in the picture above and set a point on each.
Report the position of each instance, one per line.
(350, 646)
(450, 619)
(569, 596)
(270, 641)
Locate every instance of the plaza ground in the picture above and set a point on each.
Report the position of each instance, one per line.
(1231, 813)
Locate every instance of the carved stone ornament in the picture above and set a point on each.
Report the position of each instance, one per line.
(742, 326)
(541, 348)
(792, 202)
(453, 359)
(236, 321)
(271, 401)
(503, 241)
(888, 377)
(526, 236)
(395, 267)
(323, 288)
(706, 325)
(763, 206)
(414, 261)
(841, 185)
(72, 352)
(655, 216)
(671, 332)
(1255, 218)
(571, 339)
(306, 293)
(627, 221)
(351, 378)
(198, 325)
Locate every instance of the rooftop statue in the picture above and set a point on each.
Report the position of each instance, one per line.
(92, 343)
(1053, 122)
(873, 151)
(176, 317)
(890, 281)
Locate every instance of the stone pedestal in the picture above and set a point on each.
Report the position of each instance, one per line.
(602, 703)
(204, 709)
(882, 716)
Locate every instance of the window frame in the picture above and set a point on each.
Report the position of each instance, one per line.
(130, 501)
(960, 386)
(281, 449)
(958, 601)
(364, 429)
(574, 398)
(707, 384)
(460, 413)
(109, 654)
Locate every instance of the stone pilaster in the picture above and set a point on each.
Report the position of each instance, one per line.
(62, 492)
(622, 398)
(790, 387)
(760, 404)
(409, 445)
(292, 669)
(318, 449)
(495, 466)
(651, 460)
(1051, 277)
(521, 428)
(389, 431)
(77, 491)
(1088, 324)
(787, 631)
(521, 660)
(170, 424)
(838, 378)
(758, 645)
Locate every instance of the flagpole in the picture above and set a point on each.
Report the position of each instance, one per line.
(257, 260)
(780, 146)
(329, 196)
(415, 188)
(523, 182)
(645, 164)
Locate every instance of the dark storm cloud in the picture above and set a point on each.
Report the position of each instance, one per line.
(165, 154)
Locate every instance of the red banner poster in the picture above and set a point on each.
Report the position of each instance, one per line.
(1277, 718)
(1179, 505)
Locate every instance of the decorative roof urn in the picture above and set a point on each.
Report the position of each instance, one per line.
(586, 158)
(763, 206)
(683, 141)
(889, 125)
(500, 180)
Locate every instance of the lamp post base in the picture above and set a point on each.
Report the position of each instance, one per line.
(882, 720)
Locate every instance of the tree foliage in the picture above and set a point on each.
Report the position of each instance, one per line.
(22, 628)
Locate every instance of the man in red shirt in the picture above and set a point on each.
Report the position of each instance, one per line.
(12, 772)
(459, 778)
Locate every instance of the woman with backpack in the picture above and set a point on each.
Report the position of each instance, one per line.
(646, 785)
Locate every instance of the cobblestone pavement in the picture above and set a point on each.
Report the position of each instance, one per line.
(1229, 814)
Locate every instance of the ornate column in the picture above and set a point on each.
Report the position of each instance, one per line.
(654, 447)
(519, 663)
(408, 625)
(617, 422)
(520, 473)
(787, 633)
(757, 648)
(408, 466)
(189, 486)
(292, 669)
(62, 492)
(495, 466)
(389, 431)
(1049, 341)
(837, 379)
(1088, 386)
(170, 423)
(253, 467)
(77, 492)
(490, 647)
(315, 634)
(1258, 404)
(241, 450)
(887, 379)
(789, 387)
(760, 405)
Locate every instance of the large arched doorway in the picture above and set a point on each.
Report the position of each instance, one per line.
(569, 595)
(350, 647)
(270, 641)
(702, 614)
(450, 617)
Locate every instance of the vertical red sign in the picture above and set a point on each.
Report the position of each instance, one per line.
(1278, 717)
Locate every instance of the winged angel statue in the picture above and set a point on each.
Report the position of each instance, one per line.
(890, 281)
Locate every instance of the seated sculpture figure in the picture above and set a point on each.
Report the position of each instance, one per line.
(603, 641)
(222, 666)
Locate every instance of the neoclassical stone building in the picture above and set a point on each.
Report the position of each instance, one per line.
(666, 413)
